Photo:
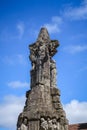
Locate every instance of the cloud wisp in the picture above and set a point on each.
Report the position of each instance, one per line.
(9, 110)
(12, 105)
(76, 112)
(18, 84)
(70, 13)
(54, 25)
(77, 13)
(73, 49)
(20, 28)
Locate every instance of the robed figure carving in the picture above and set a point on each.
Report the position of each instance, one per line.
(41, 53)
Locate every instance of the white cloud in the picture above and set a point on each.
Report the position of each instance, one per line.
(54, 25)
(75, 48)
(18, 84)
(57, 19)
(52, 28)
(77, 13)
(9, 111)
(20, 27)
(76, 112)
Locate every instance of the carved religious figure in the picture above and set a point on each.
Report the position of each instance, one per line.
(53, 73)
(49, 124)
(44, 125)
(23, 126)
(55, 125)
(40, 55)
(32, 56)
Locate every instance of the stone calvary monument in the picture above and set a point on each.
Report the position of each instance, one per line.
(43, 109)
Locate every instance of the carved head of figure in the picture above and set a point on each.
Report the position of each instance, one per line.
(25, 121)
(42, 51)
(52, 47)
(48, 119)
(20, 119)
(54, 121)
(42, 120)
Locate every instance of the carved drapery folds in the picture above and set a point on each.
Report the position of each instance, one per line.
(22, 123)
(53, 124)
(38, 56)
(41, 52)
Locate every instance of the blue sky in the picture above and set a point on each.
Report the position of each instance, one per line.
(20, 23)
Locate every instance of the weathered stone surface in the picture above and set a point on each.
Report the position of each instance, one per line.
(43, 109)
(55, 99)
(55, 91)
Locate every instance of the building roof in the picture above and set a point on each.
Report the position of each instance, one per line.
(81, 126)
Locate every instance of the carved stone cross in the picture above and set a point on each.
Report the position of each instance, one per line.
(41, 53)
(43, 109)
